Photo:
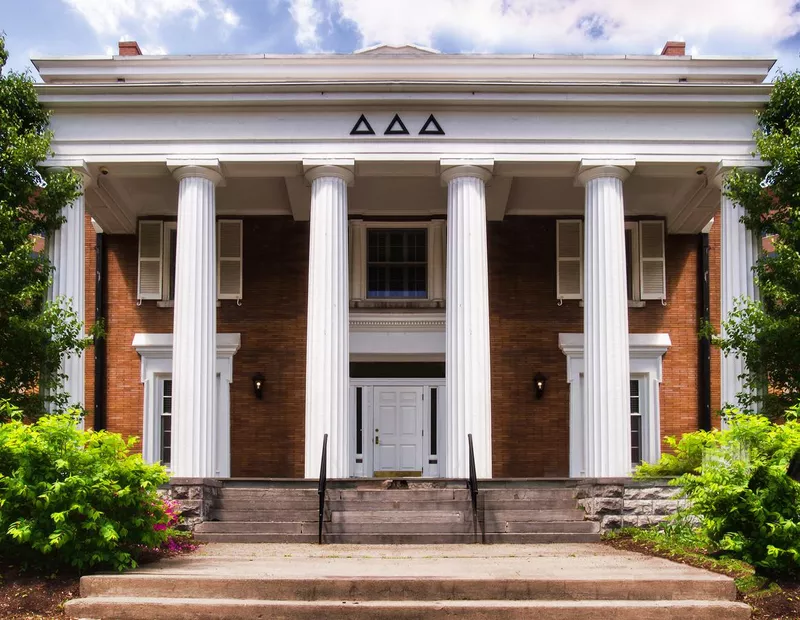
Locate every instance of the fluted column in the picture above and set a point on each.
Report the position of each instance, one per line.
(740, 250)
(194, 350)
(467, 341)
(605, 318)
(328, 345)
(66, 249)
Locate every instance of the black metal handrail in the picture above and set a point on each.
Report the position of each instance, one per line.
(323, 482)
(472, 483)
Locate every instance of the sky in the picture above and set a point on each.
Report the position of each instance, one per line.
(766, 28)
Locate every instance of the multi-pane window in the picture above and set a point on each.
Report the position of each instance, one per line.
(636, 422)
(397, 263)
(165, 422)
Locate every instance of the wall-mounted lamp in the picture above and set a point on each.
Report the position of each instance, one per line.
(258, 385)
(539, 381)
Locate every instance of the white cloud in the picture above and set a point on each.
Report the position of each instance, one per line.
(113, 19)
(307, 19)
(633, 26)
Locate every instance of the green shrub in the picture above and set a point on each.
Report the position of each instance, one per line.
(745, 503)
(686, 456)
(74, 497)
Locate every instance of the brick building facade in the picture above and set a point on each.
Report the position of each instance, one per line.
(412, 265)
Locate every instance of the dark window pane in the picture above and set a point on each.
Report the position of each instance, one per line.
(166, 421)
(359, 422)
(397, 264)
(434, 406)
(636, 439)
(629, 260)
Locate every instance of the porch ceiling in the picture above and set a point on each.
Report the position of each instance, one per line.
(682, 193)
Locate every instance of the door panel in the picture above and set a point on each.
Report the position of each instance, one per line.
(398, 424)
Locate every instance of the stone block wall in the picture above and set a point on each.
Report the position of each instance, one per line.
(622, 502)
(195, 496)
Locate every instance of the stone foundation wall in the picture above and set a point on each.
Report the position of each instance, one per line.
(195, 496)
(622, 502)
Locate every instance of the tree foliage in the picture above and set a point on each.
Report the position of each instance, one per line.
(34, 333)
(765, 333)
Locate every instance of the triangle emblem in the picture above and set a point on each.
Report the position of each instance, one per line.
(362, 127)
(396, 127)
(435, 130)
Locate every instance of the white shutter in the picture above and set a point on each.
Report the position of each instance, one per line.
(151, 254)
(569, 259)
(652, 266)
(229, 259)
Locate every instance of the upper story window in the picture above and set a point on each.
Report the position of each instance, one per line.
(157, 245)
(645, 260)
(397, 263)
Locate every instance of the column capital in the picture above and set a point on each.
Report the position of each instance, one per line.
(78, 166)
(725, 167)
(598, 168)
(332, 171)
(203, 168)
(475, 171)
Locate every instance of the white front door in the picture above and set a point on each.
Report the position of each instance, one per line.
(398, 429)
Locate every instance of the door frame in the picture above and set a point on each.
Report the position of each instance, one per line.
(365, 469)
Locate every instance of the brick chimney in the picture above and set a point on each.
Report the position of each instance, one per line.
(674, 48)
(129, 48)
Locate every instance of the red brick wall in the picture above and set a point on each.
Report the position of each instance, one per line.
(266, 435)
(530, 436)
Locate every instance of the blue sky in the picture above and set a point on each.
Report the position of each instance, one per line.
(93, 27)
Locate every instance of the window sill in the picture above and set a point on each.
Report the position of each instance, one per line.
(632, 303)
(397, 304)
(170, 303)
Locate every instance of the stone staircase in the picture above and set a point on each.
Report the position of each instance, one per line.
(397, 511)
(373, 582)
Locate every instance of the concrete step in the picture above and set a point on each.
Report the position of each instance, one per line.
(424, 538)
(407, 588)
(127, 608)
(258, 493)
(261, 537)
(278, 503)
(565, 503)
(400, 516)
(399, 505)
(256, 527)
(532, 515)
(534, 493)
(583, 527)
(283, 516)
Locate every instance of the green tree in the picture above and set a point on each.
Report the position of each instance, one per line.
(34, 332)
(766, 333)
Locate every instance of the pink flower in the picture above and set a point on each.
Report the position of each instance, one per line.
(160, 527)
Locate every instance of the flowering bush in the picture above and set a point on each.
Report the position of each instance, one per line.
(178, 540)
(76, 497)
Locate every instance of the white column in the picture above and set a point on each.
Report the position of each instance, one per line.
(740, 251)
(194, 353)
(66, 249)
(467, 310)
(328, 346)
(605, 318)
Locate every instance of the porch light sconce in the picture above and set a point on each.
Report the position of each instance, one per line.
(258, 385)
(539, 381)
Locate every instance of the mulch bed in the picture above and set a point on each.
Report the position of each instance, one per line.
(780, 604)
(26, 595)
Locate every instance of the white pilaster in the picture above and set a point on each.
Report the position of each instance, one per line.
(467, 310)
(328, 348)
(436, 244)
(194, 407)
(740, 251)
(358, 260)
(605, 318)
(66, 249)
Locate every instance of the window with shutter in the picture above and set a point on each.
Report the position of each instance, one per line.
(652, 269)
(569, 257)
(151, 254)
(229, 259)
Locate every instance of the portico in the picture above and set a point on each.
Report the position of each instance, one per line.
(399, 291)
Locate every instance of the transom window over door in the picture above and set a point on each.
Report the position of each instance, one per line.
(397, 263)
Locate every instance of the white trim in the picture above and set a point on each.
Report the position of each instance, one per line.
(397, 336)
(155, 351)
(646, 353)
(167, 264)
(635, 259)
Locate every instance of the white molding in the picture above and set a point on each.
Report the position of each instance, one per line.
(155, 351)
(646, 352)
(397, 321)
